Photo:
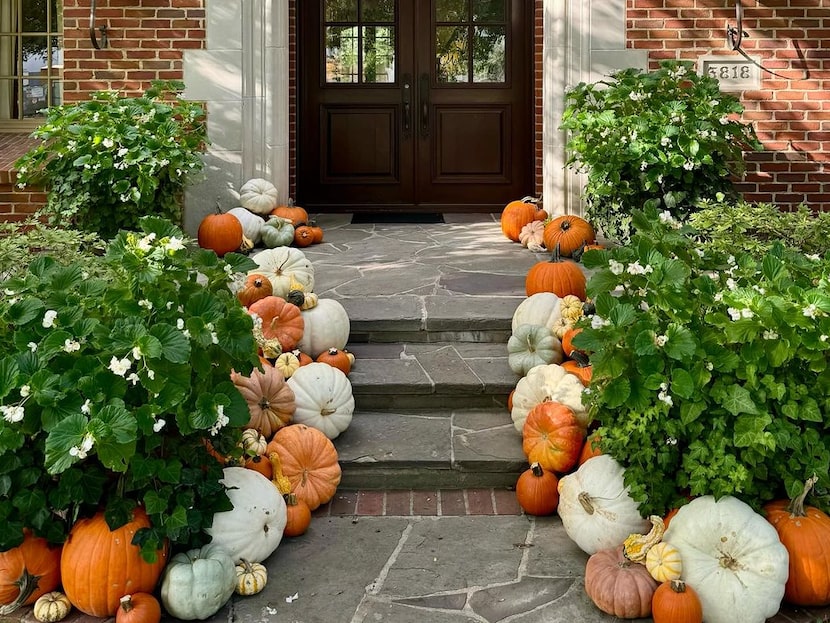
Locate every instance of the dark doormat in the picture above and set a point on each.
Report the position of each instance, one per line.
(362, 218)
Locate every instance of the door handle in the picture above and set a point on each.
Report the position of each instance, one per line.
(406, 98)
(423, 92)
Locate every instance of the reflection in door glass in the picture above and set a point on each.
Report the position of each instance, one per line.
(341, 54)
(451, 10)
(341, 10)
(451, 53)
(488, 10)
(377, 11)
(378, 54)
(488, 54)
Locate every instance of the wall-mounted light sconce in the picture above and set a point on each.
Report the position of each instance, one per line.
(102, 29)
(736, 33)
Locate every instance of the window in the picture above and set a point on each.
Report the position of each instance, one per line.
(31, 59)
(360, 41)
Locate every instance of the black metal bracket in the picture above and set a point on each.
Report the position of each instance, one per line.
(736, 33)
(102, 29)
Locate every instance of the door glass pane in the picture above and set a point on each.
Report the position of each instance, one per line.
(452, 54)
(378, 54)
(450, 10)
(341, 54)
(340, 10)
(488, 54)
(489, 11)
(378, 10)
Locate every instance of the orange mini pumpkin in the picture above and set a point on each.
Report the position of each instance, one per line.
(298, 515)
(270, 399)
(281, 320)
(676, 602)
(580, 366)
(590, 448)
(138, 608)
(297, 214)
(570, 232)
(537, 491)
(28, 571)
(316, 232)
(516, 215)
(336, 358)
(560, 276)
(221, 233)
(256, 287)
(303, 236)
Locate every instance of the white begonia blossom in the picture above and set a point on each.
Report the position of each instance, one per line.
(724, 120)
(666, 217)
(49, 318)
(770, 335)
(643, 166)
(811, 311)
(119, 366)
(146, 303)
(85, 407)
(731, 284)
(644, 306)
(688, 165)
(747, 313)
(598, 322)
(32, 346)
(822, 338)
(638, 269)
(133, 378)
(137, 354)
(710, 366)
(700, 252)
(122, 152)
(25, 390)
(813, 256)
(665, 141)
(174, 243)
(660, 340)
(86, 445)
(221, 420)
(146, 243)
(12, 414)
(671, 441)
(71, 346)
(180, 324)
(614, 266)
(734, 314)
(151, 374)
(213, 337)
(663, 395)
(108, 142)
(158, 425)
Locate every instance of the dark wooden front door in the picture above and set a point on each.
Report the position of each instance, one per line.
(414, 105)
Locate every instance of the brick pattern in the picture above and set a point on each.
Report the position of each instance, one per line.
(412, 503)
(16, 204)
(145, 42)
(791, 110)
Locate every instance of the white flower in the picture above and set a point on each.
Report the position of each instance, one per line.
(146, 243)
(158, 425)
(150, 374)
(122, 152)
(8, 292)
(180, 324)
(666, 217)
(770, 335)
(734, 314)
(811, 311)
(710, 366)
(145, 303)
(137, 354)
(616, 268)
(186, 333)
(71, 346)
(665, 141)
(718, 297)
(643, 166)
(133, 378)
(598, 322)
(822, 338)
(12, 414)
(637, 96)
(32, 346)
(671, 441)
(813, 256)
(660, 340)
(108, 142)
(747, 313)
(213, 337)
(174, 244)
(637, 269)
(49, 318)
(228, 270)
(688, 165)
(663, 396)
(731, 283)
(209, 326)
(221, 420)
(25, 390)
(699, 252)
(724, 120)
(82, 450)
(644, 306)
(85, 407)
(119, 366)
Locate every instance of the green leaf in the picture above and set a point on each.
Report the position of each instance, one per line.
(682, 383)
(681, 344)
(175, 347)
(617, 392)
(154, 504)
(736, 400)
(622, 315)
(750, 430)
(773, 268)
(67, 433)
(644, 343)
(8, 376)
(25, 310)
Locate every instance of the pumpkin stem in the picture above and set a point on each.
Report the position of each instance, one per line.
(27, 583)
(580, 358)
(290, 499)
(556, 255)
(585, 501)
(678, 586)
(127, 603)
(796, 507)
(537, 470)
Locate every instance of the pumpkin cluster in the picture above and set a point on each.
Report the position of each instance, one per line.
(259, 220)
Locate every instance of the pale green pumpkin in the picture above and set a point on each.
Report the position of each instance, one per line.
(277, 232)
(197, 583)
(532, 345)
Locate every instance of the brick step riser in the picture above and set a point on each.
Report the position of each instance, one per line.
(428, 402)
(428, 337)
(377, 477)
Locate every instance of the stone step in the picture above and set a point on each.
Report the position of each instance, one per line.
(430, 375)
(449, 448)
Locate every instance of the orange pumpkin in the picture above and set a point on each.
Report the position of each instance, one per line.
(316, 232)
(552, 437)
(270, 399)
(138, 608)
(676, 602)
(537, 491)
(805, 532)
(516, 215)
(304, 358)
(297, 214)
(570, 232)
(568, 341)
(579, 366)
(309, 461)
(28, 571)
(590, 448)
(221, 233)
(281, 320)
(541, 214)
(562, 277)
(303, 236)
(510, 400)
(256, 287)
(336, 358)
(260, 464)
(298, 515)
(99, 566)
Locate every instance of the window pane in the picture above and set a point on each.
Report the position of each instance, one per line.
(378, 54)
(451, 11)
(57, 53)
(341, 54)
(34, 55)
(378, 10)
(489, 11)
(452, 54)
(34, 16)
(340, 10)
(54, 16)
(488, 54)
(57, 93)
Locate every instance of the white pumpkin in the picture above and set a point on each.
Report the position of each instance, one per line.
(732, 557)
(326, 326)
(542, 308)
(197, 583)
(596, 510)
(251, 223)
(281, 265)
(548, 382)
(252, 529)
(259, 196)
(323, 398)
(532, 345)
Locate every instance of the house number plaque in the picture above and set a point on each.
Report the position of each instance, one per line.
(733, 73)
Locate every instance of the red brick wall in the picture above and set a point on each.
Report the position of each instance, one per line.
(15, 204)
(790, 111)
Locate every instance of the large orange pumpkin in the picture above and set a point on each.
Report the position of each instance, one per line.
(99, 565)
(516, 215)
(270, 399)
(570, 232)
(552, 437)
(560, 276)
(281, 320)
(221, 233)
(537, 491)
(28, 571)
(309, 461)
(805, 532)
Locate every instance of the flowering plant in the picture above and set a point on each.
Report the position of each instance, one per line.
(710, 372)
(110, 386)
(110, 160)
(668, 138)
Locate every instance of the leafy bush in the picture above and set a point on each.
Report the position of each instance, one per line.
(665, 138)
(109, 387)
(727, 227)
(710, 371)
(111, 160)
